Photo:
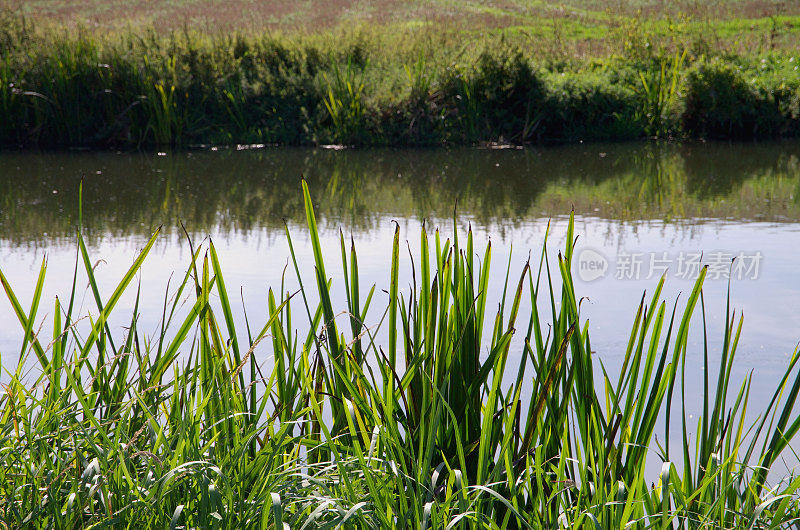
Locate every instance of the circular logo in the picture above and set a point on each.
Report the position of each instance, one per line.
(591, 265)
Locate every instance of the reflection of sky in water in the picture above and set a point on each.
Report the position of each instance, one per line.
(255, 261)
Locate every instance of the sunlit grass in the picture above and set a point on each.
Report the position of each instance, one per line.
(419, 421)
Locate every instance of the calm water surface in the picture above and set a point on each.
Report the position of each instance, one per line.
(640, 210)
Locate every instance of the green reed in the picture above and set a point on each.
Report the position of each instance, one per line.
(417, 408)
(165, 122)
(344, 101)
(659, 92)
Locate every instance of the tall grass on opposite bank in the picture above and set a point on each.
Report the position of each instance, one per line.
(377, 87)
(441, 426)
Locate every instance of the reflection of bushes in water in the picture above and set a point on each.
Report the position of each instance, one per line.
(673, 186)
(717, 170)
(244, 190)
(145, 89)
(657, 182)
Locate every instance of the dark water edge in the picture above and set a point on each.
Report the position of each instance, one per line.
(246, 188)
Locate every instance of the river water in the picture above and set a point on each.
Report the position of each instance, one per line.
(640, 210)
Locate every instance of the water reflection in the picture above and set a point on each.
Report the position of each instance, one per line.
(240, 190)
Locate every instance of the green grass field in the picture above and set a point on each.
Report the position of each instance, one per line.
(580, 26)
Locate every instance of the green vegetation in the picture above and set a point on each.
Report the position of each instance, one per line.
(743, 24)
(402, 84)
(437, 415)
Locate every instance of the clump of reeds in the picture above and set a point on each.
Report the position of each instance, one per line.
(463, 417)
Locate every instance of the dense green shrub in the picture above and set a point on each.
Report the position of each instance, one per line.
(587, 106)
(720, 103)
(498, 98)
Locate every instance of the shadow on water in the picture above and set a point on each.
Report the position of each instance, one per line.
(241, 190)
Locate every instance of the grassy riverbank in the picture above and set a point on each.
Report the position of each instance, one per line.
(537, 76)
(435, 412)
